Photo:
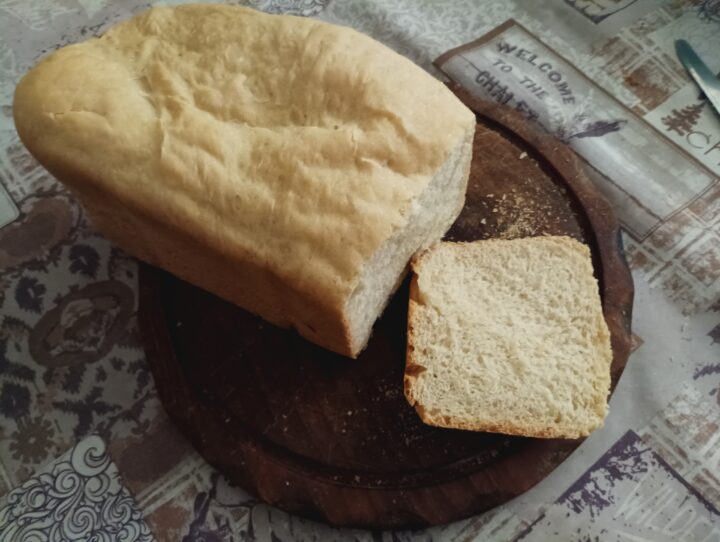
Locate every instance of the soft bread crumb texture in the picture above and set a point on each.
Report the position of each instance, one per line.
(269, 159)
(508, 337)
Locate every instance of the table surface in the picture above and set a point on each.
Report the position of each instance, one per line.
(82, 432)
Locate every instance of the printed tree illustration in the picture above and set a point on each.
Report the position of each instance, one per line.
(598, 128)
(681, 122)
(578, 128)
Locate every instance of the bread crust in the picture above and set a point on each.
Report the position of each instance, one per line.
(266, 175)
(450, 422)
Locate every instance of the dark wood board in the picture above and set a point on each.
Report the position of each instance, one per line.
(332, 438)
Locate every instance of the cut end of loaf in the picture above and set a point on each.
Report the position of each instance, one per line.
(508, 337)
(431, 216)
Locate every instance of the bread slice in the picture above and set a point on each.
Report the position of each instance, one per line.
(285, 164)
(508, 337)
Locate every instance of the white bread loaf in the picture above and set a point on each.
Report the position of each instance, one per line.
(508, 337)
(285, 164)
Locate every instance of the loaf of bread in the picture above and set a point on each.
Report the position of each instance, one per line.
(508, 337)
(285, 164)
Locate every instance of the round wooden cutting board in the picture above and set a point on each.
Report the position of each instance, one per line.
(332, 438)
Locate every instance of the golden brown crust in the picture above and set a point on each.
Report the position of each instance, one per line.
(494, 427)
(278, 144)
(218, 274)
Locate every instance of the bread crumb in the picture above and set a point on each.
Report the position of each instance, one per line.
(523, 155)
(457, 301)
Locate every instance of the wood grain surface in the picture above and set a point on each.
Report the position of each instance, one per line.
(332, 438)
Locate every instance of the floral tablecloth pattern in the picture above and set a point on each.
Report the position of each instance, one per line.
(77, 401)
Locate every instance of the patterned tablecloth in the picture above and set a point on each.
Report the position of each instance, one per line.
(86, 451)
